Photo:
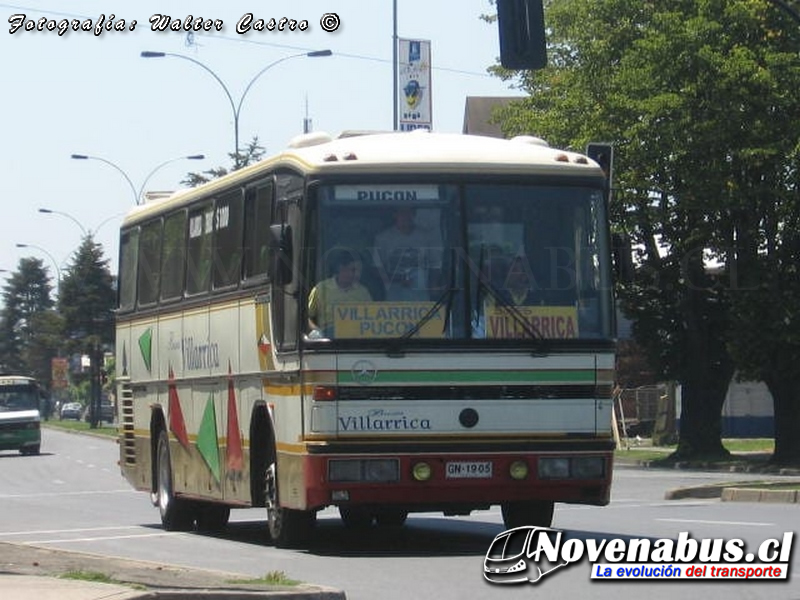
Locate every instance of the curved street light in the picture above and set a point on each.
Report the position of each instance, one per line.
(140, 194)
(137, 194)
(84, 230)
(53, 260)
(50, 211)
(235, 107)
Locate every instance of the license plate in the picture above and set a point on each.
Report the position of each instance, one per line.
(469, 470)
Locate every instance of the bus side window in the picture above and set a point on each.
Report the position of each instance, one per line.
(257, 219)
(198, 258)
(149, 263)
(228, 240)
(173, 256)
(128, 256)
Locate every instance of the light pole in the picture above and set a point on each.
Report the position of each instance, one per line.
(84, 231)
(137, 194)
(235, 107)
(53, 260)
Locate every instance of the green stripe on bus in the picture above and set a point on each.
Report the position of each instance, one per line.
(561, 376)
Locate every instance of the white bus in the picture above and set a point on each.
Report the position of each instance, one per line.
(464, 359)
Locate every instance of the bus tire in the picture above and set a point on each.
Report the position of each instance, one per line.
(288, 528)
(531, 512)
(391, 518)
(354, 517)
(212, 517)
(176, 514)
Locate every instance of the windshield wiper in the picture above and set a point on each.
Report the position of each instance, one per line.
(500, 300)
(445, 298)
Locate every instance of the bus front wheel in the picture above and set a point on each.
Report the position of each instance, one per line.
(532, 512)
(176, 514)
(288, 528)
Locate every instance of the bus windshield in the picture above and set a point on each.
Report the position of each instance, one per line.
(477, 261)
(18, 397)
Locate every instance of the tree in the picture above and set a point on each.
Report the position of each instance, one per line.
(252, 154)
(87, 298)
(25, 295)
(86, 302)
(698, 98)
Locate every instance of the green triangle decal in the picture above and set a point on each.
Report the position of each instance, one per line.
(146, 347)
(207, 438)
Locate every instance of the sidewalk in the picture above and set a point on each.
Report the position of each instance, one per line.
(31, 573)
(779, 486)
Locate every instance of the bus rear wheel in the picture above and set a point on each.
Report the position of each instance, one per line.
(532, 512)
(288, 528)
(176, 514)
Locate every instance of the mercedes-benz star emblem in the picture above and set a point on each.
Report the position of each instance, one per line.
(364, 372)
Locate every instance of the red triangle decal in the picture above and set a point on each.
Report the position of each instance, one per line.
(235, 461)
(176, 423)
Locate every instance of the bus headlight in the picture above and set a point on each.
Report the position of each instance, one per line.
(588, 467)
(553, 468)
(581, 467)
(359, 470)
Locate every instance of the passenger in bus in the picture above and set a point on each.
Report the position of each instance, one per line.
(517, 289)
(408, 258)
(342, 286)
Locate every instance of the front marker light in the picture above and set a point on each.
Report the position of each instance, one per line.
(518, 470)
(421, 471)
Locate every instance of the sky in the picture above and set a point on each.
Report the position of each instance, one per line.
(81, 93)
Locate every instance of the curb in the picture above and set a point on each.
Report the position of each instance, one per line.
(33, 572)
(738, 492)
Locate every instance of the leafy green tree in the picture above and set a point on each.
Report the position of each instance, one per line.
(26, 294)
(250, 155)
(698, 97)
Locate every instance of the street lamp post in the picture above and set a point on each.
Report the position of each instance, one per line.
(84, 230)
(236, 108)
(50, 211)
(137, 194)
(52, 259)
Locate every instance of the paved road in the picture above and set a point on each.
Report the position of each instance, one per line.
(74, 499)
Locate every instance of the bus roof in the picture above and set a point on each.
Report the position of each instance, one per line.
(16, 380)
(418, 151)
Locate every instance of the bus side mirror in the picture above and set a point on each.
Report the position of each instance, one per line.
(622, 256)
(281, 241)
(522, 37)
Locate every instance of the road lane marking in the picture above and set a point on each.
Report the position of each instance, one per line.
(726, 523)
(104, 538)
(61, 493)
(74, 530)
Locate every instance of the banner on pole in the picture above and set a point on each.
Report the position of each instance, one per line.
(414, 84)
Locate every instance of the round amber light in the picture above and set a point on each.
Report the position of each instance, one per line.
(518, 469)
(421, 471)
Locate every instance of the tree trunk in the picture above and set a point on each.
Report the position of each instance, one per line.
(702, 396)
(707, 368)
(786, 405)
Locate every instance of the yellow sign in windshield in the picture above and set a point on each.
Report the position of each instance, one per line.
(383, 319)
(547, 321)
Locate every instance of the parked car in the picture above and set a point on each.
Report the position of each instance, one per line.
(106, 412)
(71, 410)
